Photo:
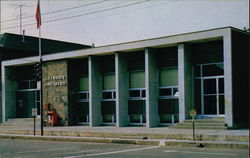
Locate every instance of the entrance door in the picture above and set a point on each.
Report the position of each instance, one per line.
(212, 96)
(21, 105)
(26, 100)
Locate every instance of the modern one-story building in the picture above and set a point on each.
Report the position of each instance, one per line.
(149, 82)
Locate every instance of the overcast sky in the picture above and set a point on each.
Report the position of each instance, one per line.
(105, 22)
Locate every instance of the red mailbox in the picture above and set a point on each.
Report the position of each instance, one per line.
(52, 118)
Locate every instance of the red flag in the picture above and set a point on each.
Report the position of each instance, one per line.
(38, 15)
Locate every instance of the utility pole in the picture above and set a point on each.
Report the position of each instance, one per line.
(20, 18)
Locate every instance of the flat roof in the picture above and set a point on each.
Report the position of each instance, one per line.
(22, 44)
(173, 40)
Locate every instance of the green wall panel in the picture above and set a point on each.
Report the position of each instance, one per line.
(169, 77)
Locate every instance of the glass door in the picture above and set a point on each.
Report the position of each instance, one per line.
(212, 96)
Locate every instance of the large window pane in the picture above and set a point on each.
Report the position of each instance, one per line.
(168, 106)
(137, 79)
(197, 95)
(210, 86)
(221, 85)
(84, 83)
(107, 95)
(108, 81)
(169, 77)
(136, 107)
(210, 105)
(108, 107)
(213, 70)
(83, 112)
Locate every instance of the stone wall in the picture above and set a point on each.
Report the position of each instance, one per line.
(55, 88)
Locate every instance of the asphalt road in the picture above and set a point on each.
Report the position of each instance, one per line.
(11, 148)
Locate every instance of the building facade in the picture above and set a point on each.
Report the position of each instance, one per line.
(151, 82)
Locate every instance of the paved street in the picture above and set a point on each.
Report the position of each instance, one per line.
(11, 148)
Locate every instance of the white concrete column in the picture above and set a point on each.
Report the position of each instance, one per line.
(95, 92)
(152, 88)
(184, 81)
(122, 83)
(228, 82)
(9, 88)
(3, 110)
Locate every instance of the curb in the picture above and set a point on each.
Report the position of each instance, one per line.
(160, 142)
(200, 137)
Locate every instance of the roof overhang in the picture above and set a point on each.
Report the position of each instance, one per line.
(194, 37)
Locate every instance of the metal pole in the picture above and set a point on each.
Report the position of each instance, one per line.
(41, 80)
(34, 125)
(193, 130)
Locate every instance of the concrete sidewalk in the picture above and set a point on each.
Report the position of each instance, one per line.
(135, 135)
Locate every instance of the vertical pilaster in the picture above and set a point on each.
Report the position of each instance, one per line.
(3, 110)
(228, 82)
(152, 85)
(95, 92)
(185, 81)
(121, 81)
(9, 95)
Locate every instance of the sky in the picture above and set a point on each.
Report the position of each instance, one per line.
(106, 22)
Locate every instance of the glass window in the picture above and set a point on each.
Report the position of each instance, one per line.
(169, 77)
(137, 79)
(84, 83)
(136, 107)
(221, 85)
(83, 95)
(83, 112)
(134, 93)
(108, 81)
(210, 105)
(108, 107)
(168, 106)
(176, 92)
(210, 86)
(213, 70)
(197, 95)
(106, 95)
(166, 92)
(143, 93)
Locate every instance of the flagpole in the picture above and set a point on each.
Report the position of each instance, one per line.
(41, 80)
(41, 69)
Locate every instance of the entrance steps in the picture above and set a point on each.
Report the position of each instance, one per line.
(207, 123)
(25, 122)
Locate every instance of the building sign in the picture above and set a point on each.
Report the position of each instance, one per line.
(55, 81)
